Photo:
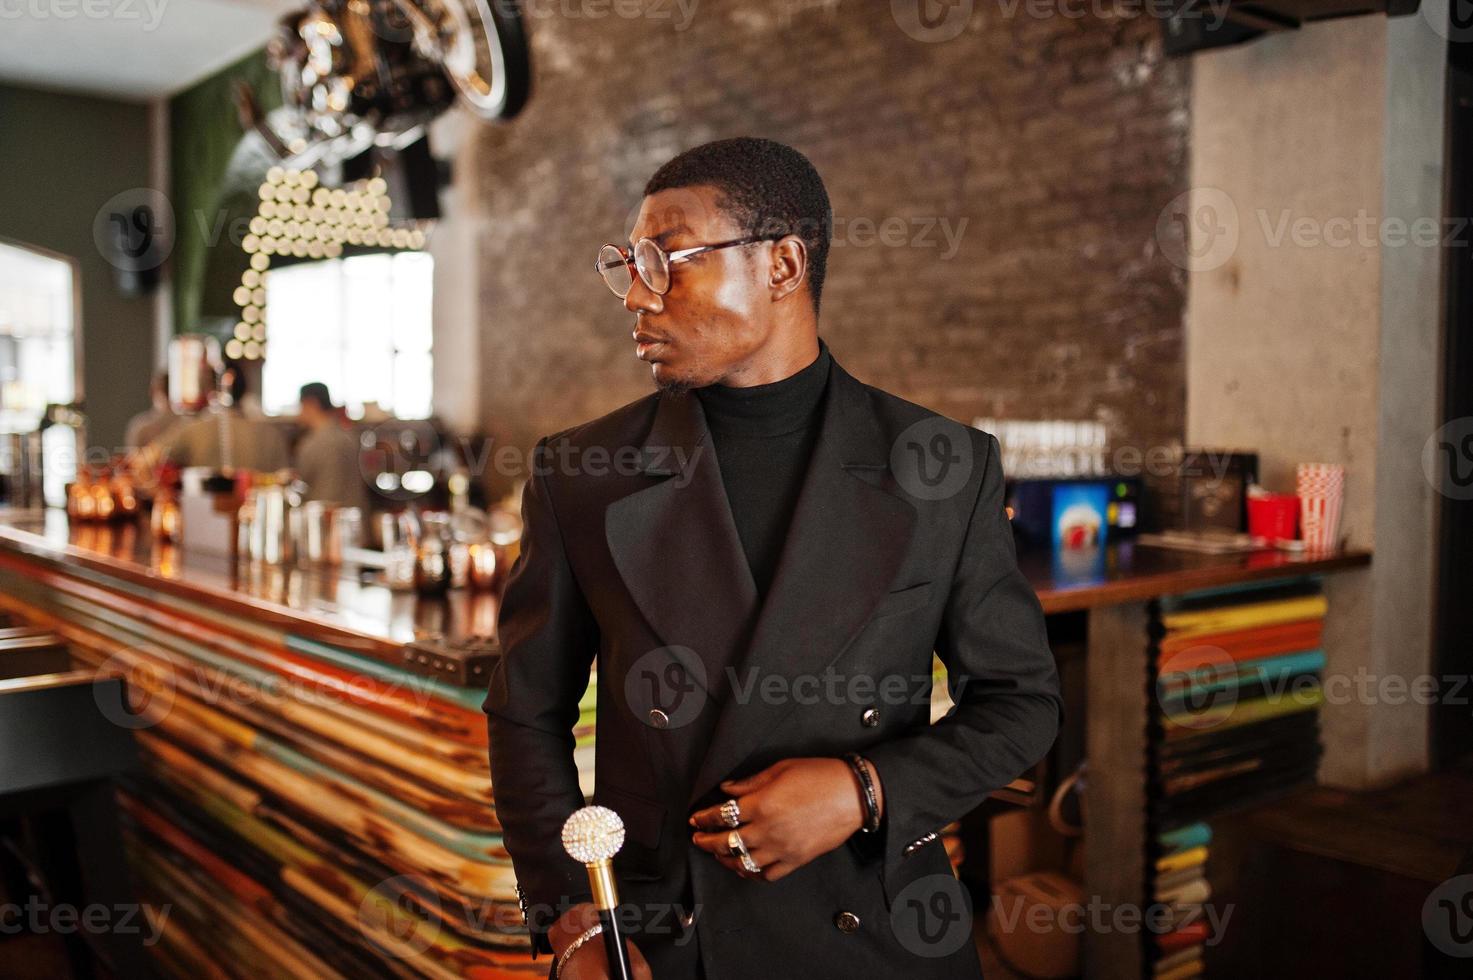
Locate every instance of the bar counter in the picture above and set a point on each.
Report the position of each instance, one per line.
(332, 606)
(376, 622)
(316, 795)
(312, 802)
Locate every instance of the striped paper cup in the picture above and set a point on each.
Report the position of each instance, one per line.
(1321, 489)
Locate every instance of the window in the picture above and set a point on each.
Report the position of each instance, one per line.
(361, 325)
(38, 357)
(37, 352)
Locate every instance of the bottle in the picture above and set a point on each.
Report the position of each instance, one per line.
(166, 520)
(432, 571)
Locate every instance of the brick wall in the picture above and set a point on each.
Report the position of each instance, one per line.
(1047, 146)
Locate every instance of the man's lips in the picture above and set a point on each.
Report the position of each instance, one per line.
(645, 343)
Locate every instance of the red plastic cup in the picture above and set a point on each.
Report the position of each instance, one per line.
(1274, 517)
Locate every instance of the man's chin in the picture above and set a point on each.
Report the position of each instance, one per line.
(670, 383)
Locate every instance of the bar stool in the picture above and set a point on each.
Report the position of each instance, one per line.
(26, 651)
(60, 837)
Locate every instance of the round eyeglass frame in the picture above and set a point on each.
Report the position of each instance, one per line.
(653, 263)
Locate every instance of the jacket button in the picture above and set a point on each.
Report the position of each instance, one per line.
(846, 922)
(870, 718)
(687, 919)
(658, 718)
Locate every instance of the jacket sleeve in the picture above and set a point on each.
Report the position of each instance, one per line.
(1002, 678)
(548, 640)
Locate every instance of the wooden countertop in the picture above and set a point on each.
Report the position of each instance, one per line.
(332, 606)
(338, 608)
(1129, 571)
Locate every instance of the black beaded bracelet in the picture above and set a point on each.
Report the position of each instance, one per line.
(867, 783)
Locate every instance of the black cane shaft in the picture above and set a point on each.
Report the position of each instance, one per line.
(614, 946)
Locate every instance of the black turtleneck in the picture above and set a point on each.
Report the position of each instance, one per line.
(763, 437)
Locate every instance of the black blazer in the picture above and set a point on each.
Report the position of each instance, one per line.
(899, 546)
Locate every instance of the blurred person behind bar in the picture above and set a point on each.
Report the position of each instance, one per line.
(327, 455)
(154, 423)
(223, 436)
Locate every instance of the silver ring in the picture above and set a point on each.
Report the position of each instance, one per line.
(731, 813)
(738, 850)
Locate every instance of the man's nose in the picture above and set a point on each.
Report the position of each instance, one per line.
(643, 299)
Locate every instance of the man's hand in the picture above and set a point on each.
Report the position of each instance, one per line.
(792, 812)
(590, 962)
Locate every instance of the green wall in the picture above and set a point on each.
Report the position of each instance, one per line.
(63, 157)
(214, 192)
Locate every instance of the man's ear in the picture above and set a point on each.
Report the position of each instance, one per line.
(789, 266)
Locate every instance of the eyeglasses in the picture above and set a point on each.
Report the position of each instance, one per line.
(653, 263)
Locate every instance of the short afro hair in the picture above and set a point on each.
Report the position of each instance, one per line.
(766, 188)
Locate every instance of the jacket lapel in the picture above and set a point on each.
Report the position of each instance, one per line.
(850, 531)
(675, 543)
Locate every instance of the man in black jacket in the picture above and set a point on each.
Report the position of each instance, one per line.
(760, 558)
